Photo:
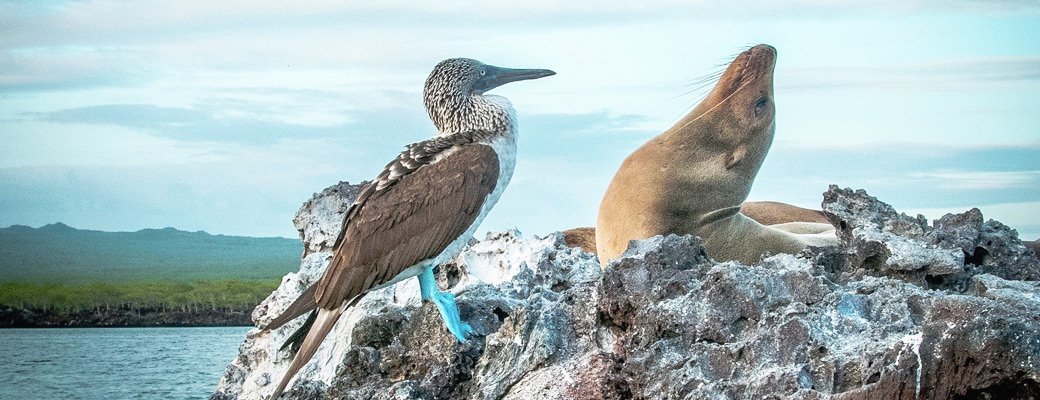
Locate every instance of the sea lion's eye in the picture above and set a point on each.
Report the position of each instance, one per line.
(760, 107)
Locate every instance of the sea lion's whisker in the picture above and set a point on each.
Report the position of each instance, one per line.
(717, 105)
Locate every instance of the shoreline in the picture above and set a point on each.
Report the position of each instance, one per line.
(3, 328)
(33, 328)
(124, 317)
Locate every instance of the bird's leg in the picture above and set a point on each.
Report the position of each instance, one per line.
(445, 303)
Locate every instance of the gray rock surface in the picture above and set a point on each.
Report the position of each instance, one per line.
(879, 241)
(902, 309)
(320, 218)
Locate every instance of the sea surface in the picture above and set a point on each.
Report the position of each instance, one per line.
(115, 363)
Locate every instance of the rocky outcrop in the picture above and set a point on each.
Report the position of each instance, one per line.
(320, 218)
(901, 309)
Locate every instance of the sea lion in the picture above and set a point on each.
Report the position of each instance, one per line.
(1033, 245)
(782, 216)
(692, 178)
(584, 237)
(773, 213)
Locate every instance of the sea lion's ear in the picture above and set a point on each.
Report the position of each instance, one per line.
(735, 156)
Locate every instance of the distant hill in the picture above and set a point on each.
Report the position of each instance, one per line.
(57, 253)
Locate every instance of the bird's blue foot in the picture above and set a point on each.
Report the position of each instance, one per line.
(450, 313)
(445, 303)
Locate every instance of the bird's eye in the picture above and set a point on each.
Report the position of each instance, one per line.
(483, 72)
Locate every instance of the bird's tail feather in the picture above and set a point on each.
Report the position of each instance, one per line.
(304, 303)
(296, 339)
(323, 323)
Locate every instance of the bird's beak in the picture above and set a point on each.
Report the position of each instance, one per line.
(498, 76)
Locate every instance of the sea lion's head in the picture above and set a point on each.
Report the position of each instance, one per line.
(740, 106)
(726, 137)
(745, 90)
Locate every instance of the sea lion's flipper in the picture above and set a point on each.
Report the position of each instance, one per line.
(1033, 245)
(581, 237)
(772, 213)
(736, 155)
(303, 304)
(323, 322)
(804, 228)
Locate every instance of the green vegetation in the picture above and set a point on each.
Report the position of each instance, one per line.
(66, 299)
(65, 270)
(57, 253)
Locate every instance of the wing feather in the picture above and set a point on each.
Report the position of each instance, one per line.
(411, 219)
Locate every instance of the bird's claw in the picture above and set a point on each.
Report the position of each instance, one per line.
(466, 332)
(450, 313)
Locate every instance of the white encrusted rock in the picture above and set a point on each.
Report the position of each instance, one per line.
(902, 310)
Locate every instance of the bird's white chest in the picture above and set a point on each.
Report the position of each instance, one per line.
(505, 148)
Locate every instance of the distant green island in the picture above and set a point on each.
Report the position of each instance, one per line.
(57, 275)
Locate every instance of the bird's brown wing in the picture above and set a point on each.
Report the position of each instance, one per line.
(414, 217)
(302, 305)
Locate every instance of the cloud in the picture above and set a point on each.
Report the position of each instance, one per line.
(159, 16)
(914, 178)
(90, 44)
(142, 25)
(67, 68)
(906, 175)
(980, 180)
(548, 195)
(125, 180)
(256, 123)
(943, 76)
(127, 199)
(216, 94)
(599, 134)
(245, 123)
(220, 188)
(184, 123)
(565, 162)
(130, 115)
(589, 123)
(32, 144)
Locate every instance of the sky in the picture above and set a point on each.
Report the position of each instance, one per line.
(227, 116)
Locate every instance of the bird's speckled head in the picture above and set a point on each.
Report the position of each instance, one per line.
(452, 77)
(453, 93)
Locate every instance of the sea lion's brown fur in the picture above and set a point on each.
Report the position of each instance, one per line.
(763, 212)
(584, 237)
(692, 178)
(1033, 245)
(772, 213)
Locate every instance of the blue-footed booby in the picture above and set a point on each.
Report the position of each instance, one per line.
(425, 205)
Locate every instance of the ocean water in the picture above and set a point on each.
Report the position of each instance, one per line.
(115, 363)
